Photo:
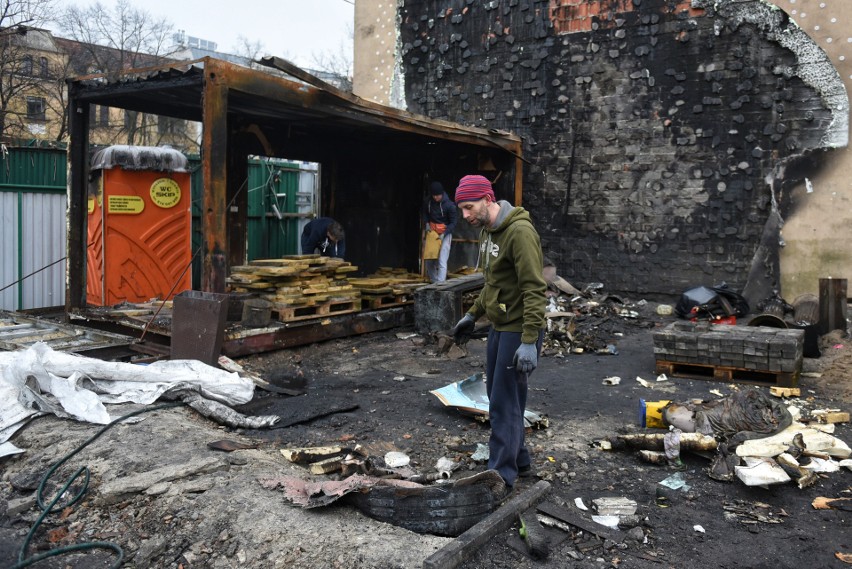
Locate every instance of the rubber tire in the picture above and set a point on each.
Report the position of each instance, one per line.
(439, 510)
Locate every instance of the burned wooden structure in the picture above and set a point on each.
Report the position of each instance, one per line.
(376, 162)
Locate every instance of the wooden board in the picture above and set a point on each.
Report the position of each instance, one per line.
(385, 301)
(296, 313)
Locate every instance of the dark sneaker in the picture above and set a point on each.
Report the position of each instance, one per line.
(525, 471)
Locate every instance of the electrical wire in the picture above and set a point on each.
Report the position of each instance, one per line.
(23, 560)
(174, 286)
(25, 277)
(37, 271)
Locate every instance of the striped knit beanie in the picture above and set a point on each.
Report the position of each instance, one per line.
(472, 188)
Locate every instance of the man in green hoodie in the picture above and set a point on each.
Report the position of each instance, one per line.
(513, 298)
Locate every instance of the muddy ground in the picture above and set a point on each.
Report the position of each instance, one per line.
(168, 500)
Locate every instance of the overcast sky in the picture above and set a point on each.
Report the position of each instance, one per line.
(293, 29)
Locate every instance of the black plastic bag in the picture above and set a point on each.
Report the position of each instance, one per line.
(717, 301)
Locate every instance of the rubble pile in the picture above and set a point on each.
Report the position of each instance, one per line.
(588, 322)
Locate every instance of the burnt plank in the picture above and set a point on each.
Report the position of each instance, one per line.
(570, 517)
(461, 548)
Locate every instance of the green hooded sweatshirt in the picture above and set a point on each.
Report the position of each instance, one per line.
(510, 258)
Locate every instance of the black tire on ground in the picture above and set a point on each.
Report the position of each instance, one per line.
(439, 510)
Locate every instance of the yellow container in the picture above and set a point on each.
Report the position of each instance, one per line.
(651, 414)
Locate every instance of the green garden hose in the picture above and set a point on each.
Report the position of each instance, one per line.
(23, 561)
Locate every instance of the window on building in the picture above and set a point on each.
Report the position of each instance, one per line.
(43, 67)
(36, 108)
(27, 65)
(99, 116)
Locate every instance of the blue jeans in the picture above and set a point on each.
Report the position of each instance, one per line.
(507, 397)
(436, 269)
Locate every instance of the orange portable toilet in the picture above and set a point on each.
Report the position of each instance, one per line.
(139, 226)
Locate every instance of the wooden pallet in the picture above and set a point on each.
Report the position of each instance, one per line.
(728, 374)
(296, 313)
(385, 301)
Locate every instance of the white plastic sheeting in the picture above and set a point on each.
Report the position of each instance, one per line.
(39, 380)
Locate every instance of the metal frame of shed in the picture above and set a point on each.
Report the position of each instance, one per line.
(278, 110)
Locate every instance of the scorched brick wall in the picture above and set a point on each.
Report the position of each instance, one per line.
(659, 132)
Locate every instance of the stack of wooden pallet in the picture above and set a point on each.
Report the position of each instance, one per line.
(388, 287)
(300, 286)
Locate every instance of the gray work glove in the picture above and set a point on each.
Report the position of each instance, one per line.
(526, 358)
(463, 329)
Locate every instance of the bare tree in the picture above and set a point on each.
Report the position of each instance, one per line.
(251, 50)
(111, 41)
(338, 63)
(134, 36)
(18, 76)
(56, 95)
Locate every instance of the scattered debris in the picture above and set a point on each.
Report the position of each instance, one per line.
(823, 503)
(669, 490)
(327, 465)
(805, 441)
(743, 415)
(578, 521)
(606, 521)
(229, 445)
(785, 392)
(754, 438)
(656, 441)
(481, 454)
(311, 454)
(753, 513)
(585, 322)
(396, 459)
(676, 481)
(651, 413)
(830, 416)
(614, 506)
(612, 380)
(643, 382)
(760, 472)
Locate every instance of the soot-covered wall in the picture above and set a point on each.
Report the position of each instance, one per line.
(658, 131)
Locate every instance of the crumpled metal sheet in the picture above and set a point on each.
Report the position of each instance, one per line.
(470, 396)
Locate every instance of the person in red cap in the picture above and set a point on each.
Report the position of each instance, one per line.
(513, 299)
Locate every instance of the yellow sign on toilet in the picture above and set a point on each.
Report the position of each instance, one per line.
(165, 192)
(131, 205)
